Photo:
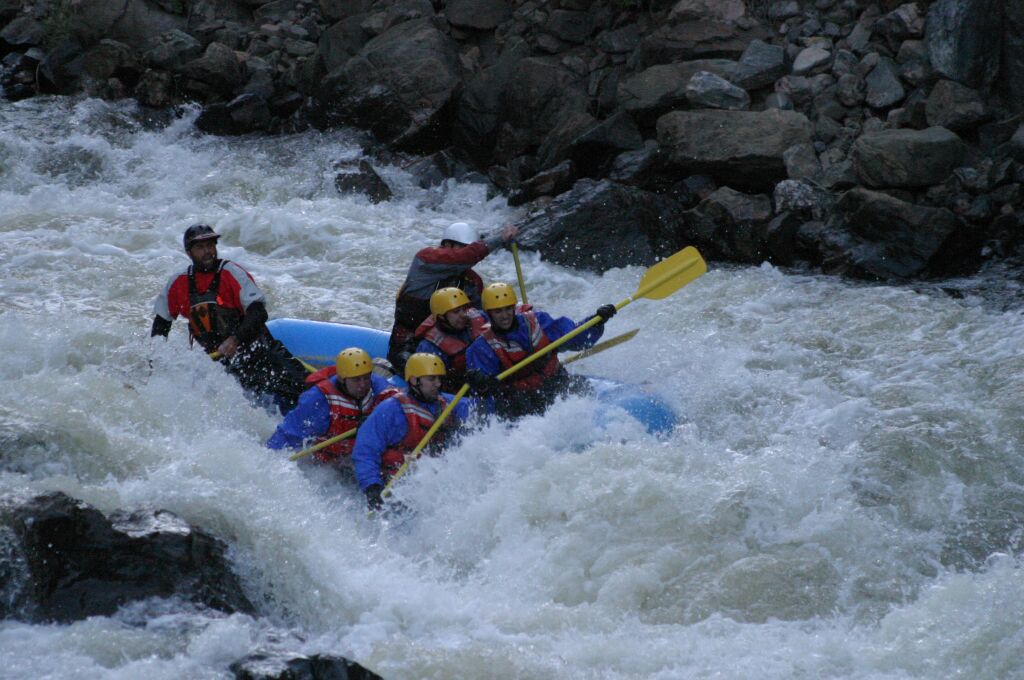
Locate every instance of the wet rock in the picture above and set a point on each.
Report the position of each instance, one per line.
(218, 67)
(738, 148)
(955, 106)
(401, 86)
(874, 235)
(244, 114)
(83, 564)
(450, 163)
(575, 229)
(550, 182)
(760, 65)
(479, 15)
(731, 224)
(283, 666)
(637, 167)
(907, 158)
(802, 198)
(363, 179)
(112, 59)
(963, 39)
(706, 90)
(156, 89)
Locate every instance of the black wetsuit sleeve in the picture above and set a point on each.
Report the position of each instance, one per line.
(253, 324)
(161, 326)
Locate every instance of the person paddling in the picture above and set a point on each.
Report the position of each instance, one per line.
(449, 265)
(513, 335)
(341, 398)
(227, 314)
(398, 424)
(452, 325)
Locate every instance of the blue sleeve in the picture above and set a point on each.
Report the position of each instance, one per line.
(463, 410)
(480, 357)
(384, 428)
(378, 384)
(430, 348)
(308, 420)
(556, 328)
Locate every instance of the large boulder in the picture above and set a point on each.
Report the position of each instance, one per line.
(743, 149)
(282, 666)
(137, 23)
(480, 15)
(955, 106)
(659, 89)
(874, 235)
(965, 39)
(907, 158)
(731, 225)
(401, 86)
(599, 225)
(698, 39)
(1013, 54)
(77, 563)
(539, 96)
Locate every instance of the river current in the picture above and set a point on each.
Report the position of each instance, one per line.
(844, 499)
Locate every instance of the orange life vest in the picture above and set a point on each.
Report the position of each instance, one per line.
(419, 420)
(453, 347)
(346, 414)
(509, 353)
(210, 322)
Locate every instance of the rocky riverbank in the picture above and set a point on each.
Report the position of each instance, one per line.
(875, 139)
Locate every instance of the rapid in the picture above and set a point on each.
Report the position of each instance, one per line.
(844, 499)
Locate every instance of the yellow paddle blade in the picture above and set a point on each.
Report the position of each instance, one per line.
(671, 274)
(602, 346)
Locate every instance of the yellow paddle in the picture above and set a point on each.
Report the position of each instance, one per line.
(658, 282)
(519, 272)
(602, 346)
(324, 444)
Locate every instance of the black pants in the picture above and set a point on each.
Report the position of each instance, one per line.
(512, 403)
(266, 367)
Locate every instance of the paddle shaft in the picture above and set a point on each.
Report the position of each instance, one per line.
(602, 346)
(322, 445)
(519, 272)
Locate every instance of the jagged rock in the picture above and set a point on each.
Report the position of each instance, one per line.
(137, 23)
(550, 182)
(480, 15)
(243, 114)
(155, 88)
(363, 179)
(400, 86)
(538, 97)
(801, 198)
(963, 39)
(342, 41)
(955, 106)
(281, 666)
(637, 167)
(783, 9)
(694, 40)
(851, 89)
(706, 90)
(336, 10)
(907, 158)
(60, 69)
(731, 224)
(618, 41)
(906, 21)
(23, 32)
(811, 59)
(173, 49)
(738, 148)
(760, 65)
(1012, 76)
(112, 59)
(576, 228)
(80, 563)
(801, 162)
(1015, 146)
(883, 86)
(659, 89)
(218, 67)
(715, 10)
(570, 26)
(873, 235)
(592, 147)
(450, 163)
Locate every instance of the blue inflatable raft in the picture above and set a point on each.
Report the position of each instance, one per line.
(318, 343)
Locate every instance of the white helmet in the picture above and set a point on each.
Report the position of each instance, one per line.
(460, 232)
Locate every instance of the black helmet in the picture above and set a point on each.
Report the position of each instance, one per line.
(198, 232)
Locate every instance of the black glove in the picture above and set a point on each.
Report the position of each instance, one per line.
(374, 500)
(482, 383)
(606, 312)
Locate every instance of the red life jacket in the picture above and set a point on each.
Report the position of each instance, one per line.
(346, 414)
(419, 420)
(453, 347)
(510, 353)
(210, 322)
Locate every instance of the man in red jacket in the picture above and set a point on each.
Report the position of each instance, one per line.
(227, 314)
(449, 265)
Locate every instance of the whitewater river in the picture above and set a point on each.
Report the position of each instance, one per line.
(845, 498)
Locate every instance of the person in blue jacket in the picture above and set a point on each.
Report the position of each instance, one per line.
(400, 422)
(452, 325)
(341, 398)
(514, 335)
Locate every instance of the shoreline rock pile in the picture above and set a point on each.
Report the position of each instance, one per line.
(877, 139)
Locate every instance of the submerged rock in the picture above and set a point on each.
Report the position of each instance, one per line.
(274, 666)
(79, 563)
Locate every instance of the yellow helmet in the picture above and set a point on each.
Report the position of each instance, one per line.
(498, 295)
(353, 363)
(423, 363)
(445, 300)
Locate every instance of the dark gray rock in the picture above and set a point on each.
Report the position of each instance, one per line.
(620, 40)
(637, 167)
(570, 26)
(965, 39)
(851, 89)
(539, 96)
(244, 114)
(955, 106)
(801, 162)
(23, 32)
(450, 163)
(731, 225)
(903, 23)
(155, 88)
(283, 666)
(137, 23)
(112, 59)
(80, 563)
(883, 86)
(907, 158)
(479, 15)
(336, 10)
(1012, 75)
(550, 182)
(576, 228)
(173, 49)
(1015, 147)
(592, 150)
(802, 198)
(401, 86)
(706, 90)
(363, 179)
(873, 235)
(342, 41)
(738, 148)
(694, 40)
(659, 89)
(218, 67)
(813, 59)
(760, 65)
